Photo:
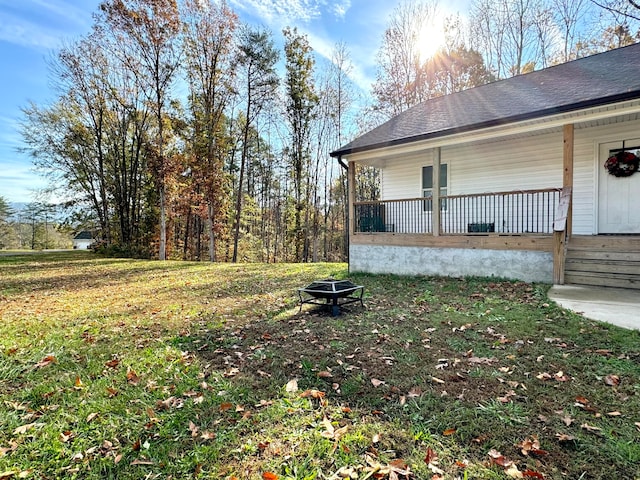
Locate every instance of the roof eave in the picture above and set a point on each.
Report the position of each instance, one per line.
(599, 102)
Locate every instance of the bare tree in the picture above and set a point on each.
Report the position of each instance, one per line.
(569, 15)
(400, 83)
(513, 35)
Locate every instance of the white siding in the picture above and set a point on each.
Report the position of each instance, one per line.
(521, 164)
(587, 167)
(526, 163)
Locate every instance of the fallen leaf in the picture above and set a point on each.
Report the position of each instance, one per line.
(112, 363)
(346, 472)
(561, 377)
(225, 406)
(614, 414)
(313, 394)
(590, 428)
(531, 445)
(132, 377)
(91, 417)
(48, 360)
(513, 471)
(4, 450)
(532, 474)
(498, 458)
(449, 431)
(612, 380)
(292, 386)
(481, 360)
(376, 383)
(563, 437)
(325, 374)
(430, 456)
(112, 392)
(25, 428)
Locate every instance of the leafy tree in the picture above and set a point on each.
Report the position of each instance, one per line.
(301, 102)
(5, 212)
(257, 64)
(450, 71)
(148, 36)
(209, 30)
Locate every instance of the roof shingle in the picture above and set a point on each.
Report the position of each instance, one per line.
(593, 81)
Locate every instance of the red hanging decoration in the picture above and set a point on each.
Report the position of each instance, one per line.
(622, 164)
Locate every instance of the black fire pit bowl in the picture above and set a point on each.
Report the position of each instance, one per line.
(331, 293)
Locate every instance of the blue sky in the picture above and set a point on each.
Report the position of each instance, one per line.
(32, 30)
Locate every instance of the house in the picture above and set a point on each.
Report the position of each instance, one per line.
(83, 240)
(508, 179)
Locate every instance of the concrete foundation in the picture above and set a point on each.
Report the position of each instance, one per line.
(529, 266)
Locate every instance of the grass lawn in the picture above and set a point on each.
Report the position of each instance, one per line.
(114, 368)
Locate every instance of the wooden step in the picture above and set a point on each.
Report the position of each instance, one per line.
(604, 261)
(573, 266)
(618, 281)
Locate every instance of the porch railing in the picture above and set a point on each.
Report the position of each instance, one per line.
(515, 212)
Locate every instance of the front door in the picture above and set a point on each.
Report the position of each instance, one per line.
(618, 197)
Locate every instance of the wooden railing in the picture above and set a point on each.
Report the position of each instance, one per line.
(515, 212)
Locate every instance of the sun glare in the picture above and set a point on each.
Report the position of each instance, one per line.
(430, 40)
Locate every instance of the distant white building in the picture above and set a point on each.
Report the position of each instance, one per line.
(83, 240)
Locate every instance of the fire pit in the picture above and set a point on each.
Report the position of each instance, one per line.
(331, 293)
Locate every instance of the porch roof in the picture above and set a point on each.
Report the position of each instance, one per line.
(598, 80)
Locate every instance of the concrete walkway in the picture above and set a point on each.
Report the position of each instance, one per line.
(613, 305)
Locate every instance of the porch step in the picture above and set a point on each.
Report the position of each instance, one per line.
(604, 261)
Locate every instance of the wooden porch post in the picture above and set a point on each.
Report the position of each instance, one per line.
(567, 176)
(351, 188)
(562, 224)
(435, 194)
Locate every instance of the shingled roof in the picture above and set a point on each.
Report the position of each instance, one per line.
(594, 81)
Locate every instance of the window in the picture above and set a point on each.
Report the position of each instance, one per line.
(427, 186)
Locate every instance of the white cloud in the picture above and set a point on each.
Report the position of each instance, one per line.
(282, 12)
(43, 23)
(27, 34)
(340, 9)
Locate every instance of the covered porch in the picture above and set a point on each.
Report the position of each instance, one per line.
(529, 225)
